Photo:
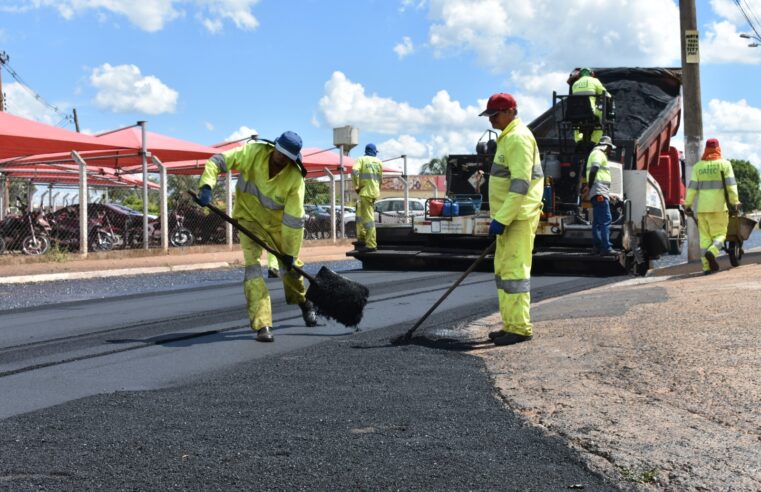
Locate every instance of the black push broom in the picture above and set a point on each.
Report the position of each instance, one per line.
(334, 296)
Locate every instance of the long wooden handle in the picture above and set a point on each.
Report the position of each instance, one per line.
(248, 233)
(457, 282)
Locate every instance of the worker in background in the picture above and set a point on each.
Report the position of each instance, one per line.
(273, 269)
(269, 201)
(588, 85)
(516, 184)
(598, 190)
(714, 187)
(366, 175)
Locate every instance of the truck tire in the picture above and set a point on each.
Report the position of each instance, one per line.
(675, 246)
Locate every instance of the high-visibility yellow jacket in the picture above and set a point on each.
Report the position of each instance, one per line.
(276, 204)
(516, 180)
(706, 185)
(599, 160)
(588, 86)
(366, 175)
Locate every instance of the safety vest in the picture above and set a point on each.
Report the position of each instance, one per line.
(516, 180)
(706, 185)
(276, 204)
(366, 175)
(588, 86)
(597, 159)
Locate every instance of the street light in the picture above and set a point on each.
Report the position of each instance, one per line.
(756, 40)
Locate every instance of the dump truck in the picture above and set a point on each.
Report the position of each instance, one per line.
(641, 111)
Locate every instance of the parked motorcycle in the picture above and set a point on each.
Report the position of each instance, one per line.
(26, 232)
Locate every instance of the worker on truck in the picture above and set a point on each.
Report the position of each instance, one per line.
(588, 85)
(269, 201)
(366, 175)
(516, 184)
(714, 187)
(598, 190)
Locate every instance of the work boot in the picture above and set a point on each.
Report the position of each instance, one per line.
(711, 258)
(358, 245)
(365, 249)
(494, 334)
(264, 335)
(609, 252)
(272, 273)
(308, 313)
(508, 338)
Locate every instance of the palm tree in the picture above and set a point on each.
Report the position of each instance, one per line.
(437, 165)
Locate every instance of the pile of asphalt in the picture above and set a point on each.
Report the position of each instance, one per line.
(351, 413)
(638, 104)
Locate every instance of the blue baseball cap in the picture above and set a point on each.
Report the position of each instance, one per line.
(371, 150)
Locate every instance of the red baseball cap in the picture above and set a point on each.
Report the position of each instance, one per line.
(499, 102)
(712, 143)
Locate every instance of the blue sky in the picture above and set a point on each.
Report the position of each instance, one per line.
(412, 75)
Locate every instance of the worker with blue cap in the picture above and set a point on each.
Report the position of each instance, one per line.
(269, 201)
(366, 175)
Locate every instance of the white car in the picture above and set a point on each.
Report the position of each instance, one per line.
(391, 210)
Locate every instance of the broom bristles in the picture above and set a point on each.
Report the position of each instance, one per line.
(337, 297)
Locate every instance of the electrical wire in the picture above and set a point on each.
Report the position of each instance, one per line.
(65, 117)
(750, 17)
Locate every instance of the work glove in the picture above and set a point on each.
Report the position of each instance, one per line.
(287, 262)
(689, 213)
(204, 195)
(734, 210)
(496, 228)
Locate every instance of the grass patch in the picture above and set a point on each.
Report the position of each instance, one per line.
(57, 254)
(639, 475)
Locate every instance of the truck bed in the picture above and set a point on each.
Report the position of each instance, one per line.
(648, 111)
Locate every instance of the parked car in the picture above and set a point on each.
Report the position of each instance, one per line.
(391, 210)
(317, 225)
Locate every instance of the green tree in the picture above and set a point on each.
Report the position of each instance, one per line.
(437, 165)
(316, 192)
(748, 181)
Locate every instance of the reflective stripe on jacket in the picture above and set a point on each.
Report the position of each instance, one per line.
(366, 175)
(706, 185)
(516, 180)
(598, 159)
(588, 86)
(276, 204)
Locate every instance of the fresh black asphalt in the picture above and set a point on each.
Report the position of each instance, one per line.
(353, 412)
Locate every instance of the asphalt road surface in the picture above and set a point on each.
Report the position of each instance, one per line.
(167, 389)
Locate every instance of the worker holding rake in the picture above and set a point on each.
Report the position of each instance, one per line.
(269, 201)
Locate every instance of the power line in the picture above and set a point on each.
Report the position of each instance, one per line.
(750, 18)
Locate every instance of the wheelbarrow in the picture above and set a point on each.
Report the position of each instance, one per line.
(738, 230)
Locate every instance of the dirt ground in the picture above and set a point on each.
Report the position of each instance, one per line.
(657, 383)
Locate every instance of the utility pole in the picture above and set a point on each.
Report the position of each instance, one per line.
(693, 109)
(3, 60)
(76, 119)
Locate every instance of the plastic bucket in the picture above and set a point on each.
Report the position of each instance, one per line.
(435, 207)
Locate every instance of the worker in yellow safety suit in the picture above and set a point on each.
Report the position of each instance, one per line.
(366, 175)
(516, 183)
(598, 190)
(269, 201)
(717, 198)
(589, 85)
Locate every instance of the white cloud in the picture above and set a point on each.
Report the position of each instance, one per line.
(737, 125)
(153, 15)
(209, 126)
(21, 102)
(242, 132)
(123, 88)
(404, 48)
(723, 44)
(728, 9)
(508, 34)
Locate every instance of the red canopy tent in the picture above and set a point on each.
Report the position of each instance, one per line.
(69, 174)
(20, 136)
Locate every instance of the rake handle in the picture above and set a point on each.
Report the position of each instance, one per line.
(250, 234)
(457, 282)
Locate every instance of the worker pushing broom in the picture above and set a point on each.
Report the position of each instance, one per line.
(269, 203)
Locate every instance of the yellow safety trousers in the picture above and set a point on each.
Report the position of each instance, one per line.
(366, 221)
(712, 227)
(272, 262)
(512, 269)
(254, 288)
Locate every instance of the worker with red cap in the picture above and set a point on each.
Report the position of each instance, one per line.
(516, 184)
(269, 201)
(714, 187)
